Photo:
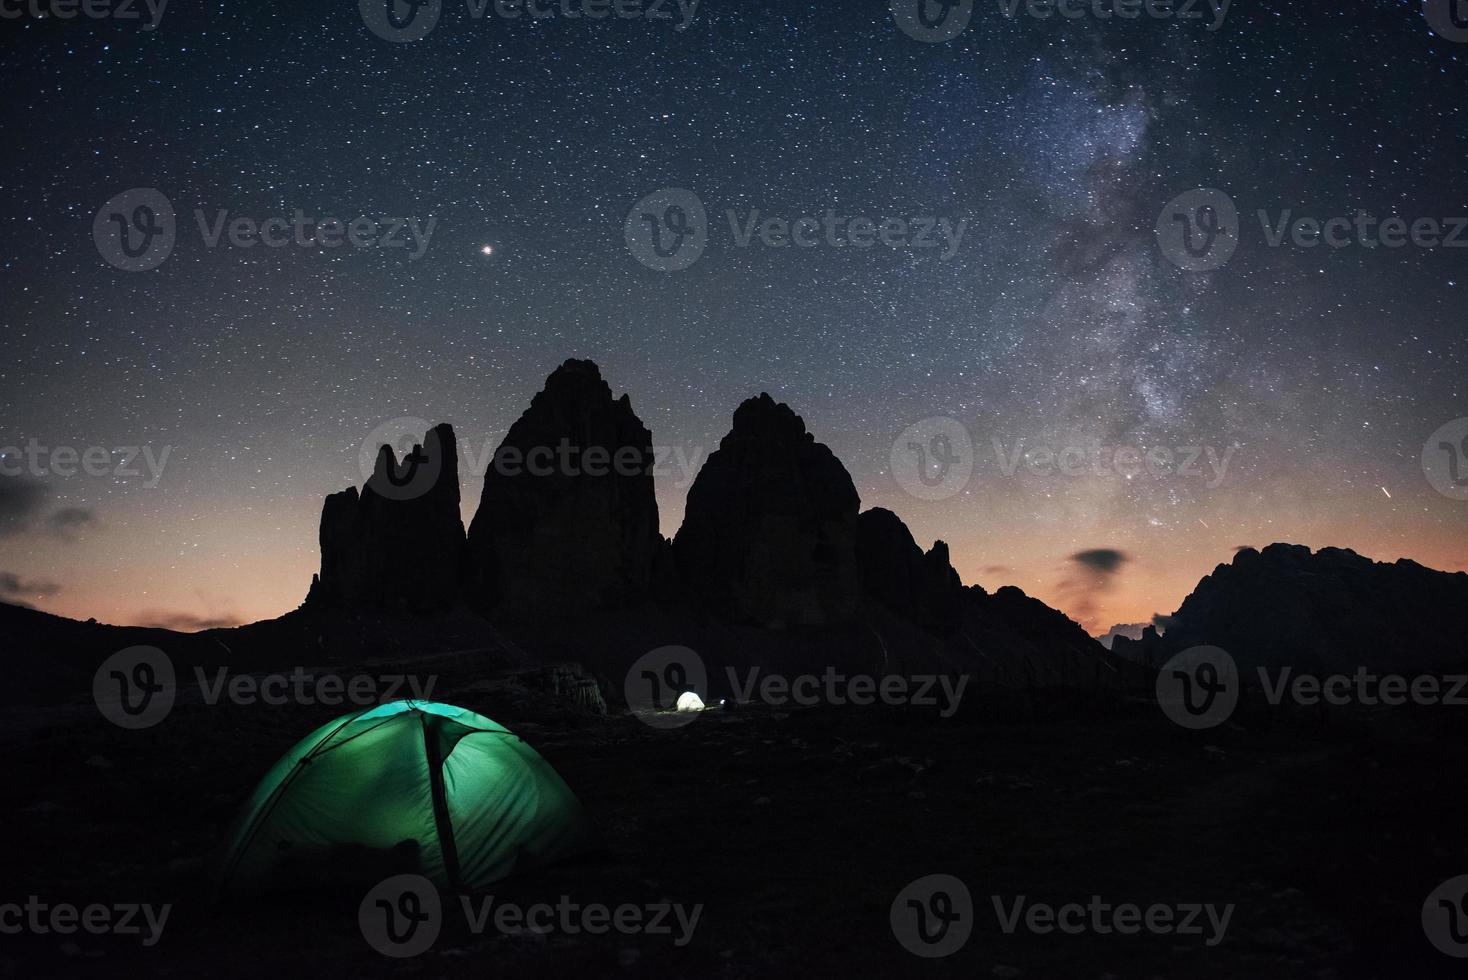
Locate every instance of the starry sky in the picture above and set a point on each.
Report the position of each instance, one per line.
(1058, 322)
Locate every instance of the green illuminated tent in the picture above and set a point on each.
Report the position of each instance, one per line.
(409, 786)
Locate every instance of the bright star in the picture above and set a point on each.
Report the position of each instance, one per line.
(487, 250)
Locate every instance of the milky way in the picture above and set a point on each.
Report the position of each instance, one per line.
(1298, 382)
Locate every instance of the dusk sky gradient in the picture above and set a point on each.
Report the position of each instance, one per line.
(1058, 322)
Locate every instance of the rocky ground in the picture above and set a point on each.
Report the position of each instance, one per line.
(795, 829)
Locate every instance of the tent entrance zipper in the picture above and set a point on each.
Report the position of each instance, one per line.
(441, 819)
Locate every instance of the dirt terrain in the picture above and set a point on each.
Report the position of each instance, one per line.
(795, 829)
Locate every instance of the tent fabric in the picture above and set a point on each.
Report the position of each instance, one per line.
(408, 786)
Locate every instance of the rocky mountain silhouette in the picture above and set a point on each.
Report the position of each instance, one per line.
(567, 521)
(773, 539)
(920, 586)
(397, 546)
(1019, 641)
(1327, 611)
(769, 530)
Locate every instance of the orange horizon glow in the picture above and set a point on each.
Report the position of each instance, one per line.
(233, 569)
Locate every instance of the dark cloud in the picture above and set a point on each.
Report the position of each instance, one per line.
(1243, 547)
(68, 521)
(13, 587)
(186, 622)
(1104, 561)
(1161, 622)
(1089, 574)
(21, 500)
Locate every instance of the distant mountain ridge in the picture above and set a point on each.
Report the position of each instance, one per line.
(1326, 611)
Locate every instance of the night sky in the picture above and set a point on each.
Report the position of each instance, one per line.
(1059, 321)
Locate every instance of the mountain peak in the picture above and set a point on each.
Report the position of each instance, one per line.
(1331, 610)
(567, 521)
(769, 528)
